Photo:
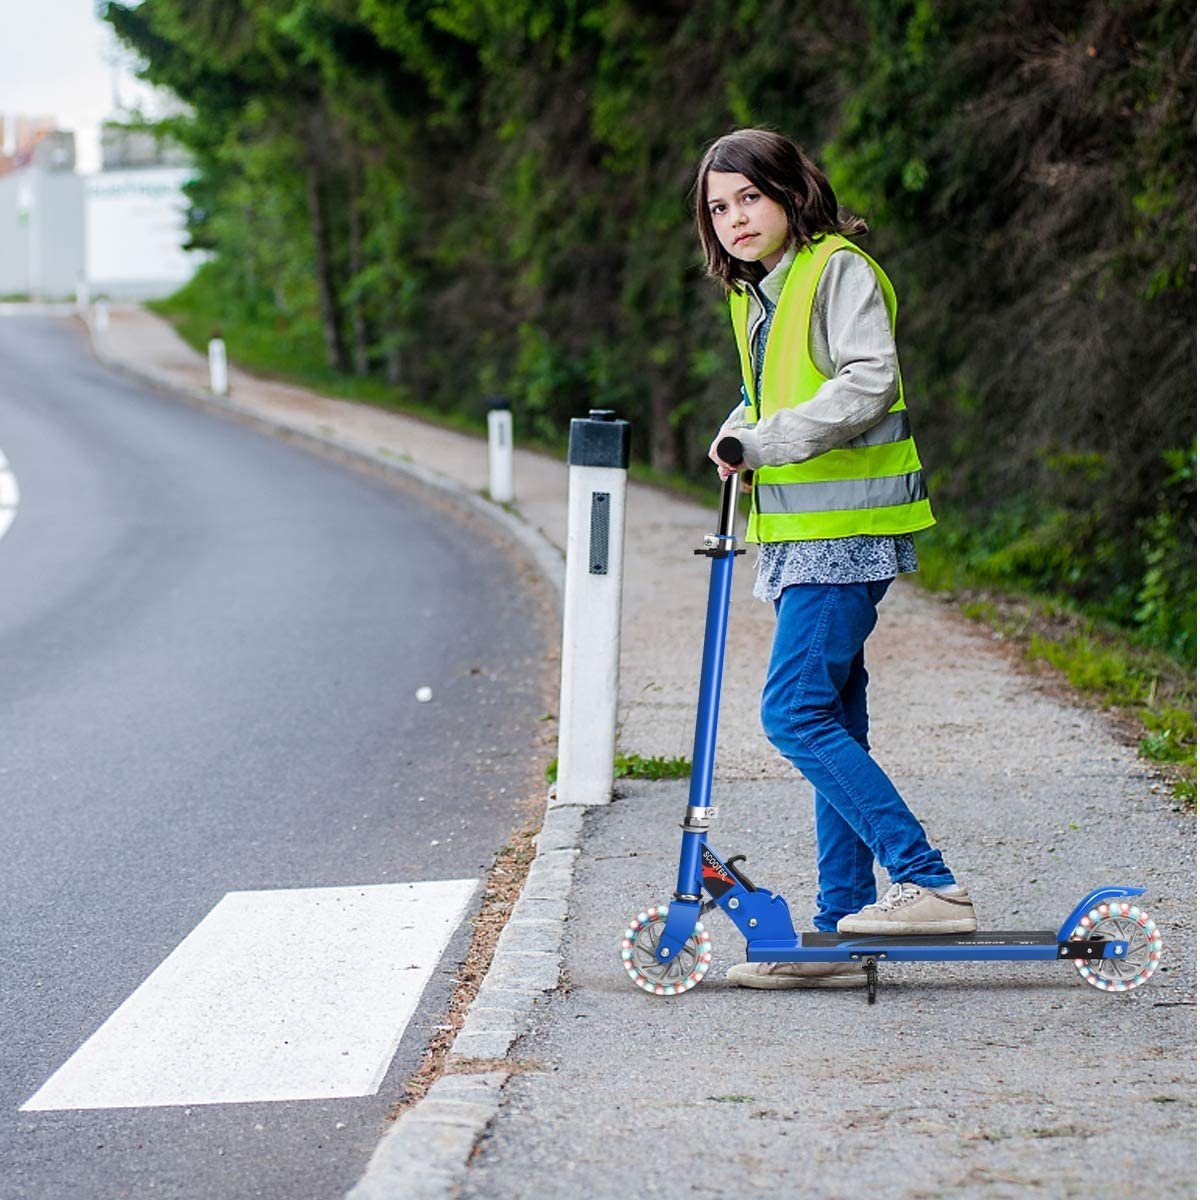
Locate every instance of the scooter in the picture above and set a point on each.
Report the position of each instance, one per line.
(1111, 942)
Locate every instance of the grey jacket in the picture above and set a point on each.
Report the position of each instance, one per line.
(851, 342)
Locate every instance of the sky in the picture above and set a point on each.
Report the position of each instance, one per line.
(58, 59)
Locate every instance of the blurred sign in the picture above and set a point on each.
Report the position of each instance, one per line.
(135, 232)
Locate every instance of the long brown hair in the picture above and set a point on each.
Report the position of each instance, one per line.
(782, 171)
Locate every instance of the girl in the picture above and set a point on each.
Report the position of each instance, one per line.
(838, 492)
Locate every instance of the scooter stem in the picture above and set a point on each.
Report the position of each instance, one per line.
(721, 548)
(729, 494)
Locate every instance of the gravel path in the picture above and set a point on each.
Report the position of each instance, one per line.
(965, 1080)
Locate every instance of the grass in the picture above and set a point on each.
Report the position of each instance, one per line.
(635, 766)
(292, 352)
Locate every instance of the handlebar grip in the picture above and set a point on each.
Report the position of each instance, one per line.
(729, 450)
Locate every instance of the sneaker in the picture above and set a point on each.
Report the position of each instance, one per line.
(797, 975)
(909, 909)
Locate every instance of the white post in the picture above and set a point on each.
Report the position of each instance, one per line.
(82, 295)
(218, 367)
(587, 713)
(101, 318)
(500, 453)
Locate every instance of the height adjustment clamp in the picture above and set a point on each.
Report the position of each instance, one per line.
(718, 547)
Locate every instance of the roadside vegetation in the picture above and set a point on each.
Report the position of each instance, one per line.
(636, 766)
(205, 308)
(1127, 671)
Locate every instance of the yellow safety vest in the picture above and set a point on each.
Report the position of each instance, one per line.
(872, 484)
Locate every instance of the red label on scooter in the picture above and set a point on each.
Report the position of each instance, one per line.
(716, 878)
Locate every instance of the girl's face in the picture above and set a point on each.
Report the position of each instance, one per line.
(751, 226)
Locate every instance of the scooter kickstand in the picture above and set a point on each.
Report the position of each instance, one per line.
(872, 978)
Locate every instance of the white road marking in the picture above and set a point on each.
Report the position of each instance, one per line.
(283, 995)
(10, 495)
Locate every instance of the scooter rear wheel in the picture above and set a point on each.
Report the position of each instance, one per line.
(1119, 920)
(639, 953)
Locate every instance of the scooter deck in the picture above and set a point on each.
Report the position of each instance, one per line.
(983, 945)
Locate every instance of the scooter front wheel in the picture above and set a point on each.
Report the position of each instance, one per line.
(639, 953)
(1119, 920)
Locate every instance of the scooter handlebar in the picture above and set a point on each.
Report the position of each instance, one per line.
(729, 450)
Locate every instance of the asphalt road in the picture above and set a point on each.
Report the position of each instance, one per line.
(210, 642)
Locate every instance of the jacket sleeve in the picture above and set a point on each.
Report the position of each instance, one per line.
(849, 320)
(736, 421)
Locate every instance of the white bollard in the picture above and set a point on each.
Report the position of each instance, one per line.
(82, 295)
(500, 453)
(218, 367)
(101, 316)
(587, 712)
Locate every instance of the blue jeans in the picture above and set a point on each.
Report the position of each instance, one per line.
(814, 711)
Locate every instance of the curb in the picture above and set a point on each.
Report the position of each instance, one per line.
(424, 1155)
(441, 1131)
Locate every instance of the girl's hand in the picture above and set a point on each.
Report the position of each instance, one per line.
(724, 469)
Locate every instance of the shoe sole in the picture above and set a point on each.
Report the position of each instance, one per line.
(770, 984)
(910, 929)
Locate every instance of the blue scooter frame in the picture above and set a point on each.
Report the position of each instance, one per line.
(1113, 943)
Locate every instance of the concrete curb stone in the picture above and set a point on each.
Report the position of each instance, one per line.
(412, 1159)
(427, 1150)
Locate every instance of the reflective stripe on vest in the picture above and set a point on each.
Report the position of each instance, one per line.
(894, 427)
(874, 483)
(841, 494)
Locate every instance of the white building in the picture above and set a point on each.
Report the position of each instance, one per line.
(122, 229)
(41, 223)
(135, 233)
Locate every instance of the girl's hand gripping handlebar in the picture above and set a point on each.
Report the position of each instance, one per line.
(728, 455)
(729, 451)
